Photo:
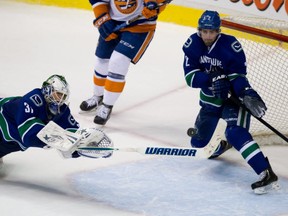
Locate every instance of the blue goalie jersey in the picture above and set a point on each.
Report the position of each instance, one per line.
(21, 118)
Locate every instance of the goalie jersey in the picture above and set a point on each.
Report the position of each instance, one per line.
(21, 118)
(226, 55)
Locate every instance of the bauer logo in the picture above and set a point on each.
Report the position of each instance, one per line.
(171, 151)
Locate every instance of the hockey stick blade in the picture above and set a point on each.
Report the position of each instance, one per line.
(199, 153)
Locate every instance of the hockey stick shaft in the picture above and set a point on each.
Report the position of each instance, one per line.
(161, 151)
(203, 153)
(237, 102)
(134, 19)
(56, 137)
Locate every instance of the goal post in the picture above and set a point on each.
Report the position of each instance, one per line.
(265, 42)
(255, 31)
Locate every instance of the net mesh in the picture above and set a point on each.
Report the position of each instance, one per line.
(267, 68)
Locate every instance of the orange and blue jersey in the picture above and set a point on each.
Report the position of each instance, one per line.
(123, 11)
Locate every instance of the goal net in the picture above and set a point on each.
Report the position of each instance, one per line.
(265, 43)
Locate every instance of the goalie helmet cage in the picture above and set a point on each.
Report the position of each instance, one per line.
(265, 43)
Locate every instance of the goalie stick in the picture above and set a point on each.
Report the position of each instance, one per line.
(94, 143)
(134, 19)
(205, 152)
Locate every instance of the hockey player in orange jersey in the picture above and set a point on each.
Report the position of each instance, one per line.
(116, 48)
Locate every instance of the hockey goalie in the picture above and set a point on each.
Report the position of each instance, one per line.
(45, 111)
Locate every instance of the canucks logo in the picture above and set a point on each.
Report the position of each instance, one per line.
(36, 99)
(126, 6)
(236, 46)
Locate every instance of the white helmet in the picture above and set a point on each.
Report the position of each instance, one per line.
(56, 92)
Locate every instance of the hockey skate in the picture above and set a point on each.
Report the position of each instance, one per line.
(223, 147)
(91, 103)
(103, 114)
(268, 180)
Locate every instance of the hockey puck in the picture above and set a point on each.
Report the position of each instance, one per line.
(191, 132)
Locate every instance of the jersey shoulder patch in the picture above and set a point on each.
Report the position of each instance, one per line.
(193, 43)
(231, 41)
(37, 100)
(188, 42)
(72, 121)
(236, 46)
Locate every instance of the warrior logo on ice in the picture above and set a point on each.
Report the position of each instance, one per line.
(171, 151)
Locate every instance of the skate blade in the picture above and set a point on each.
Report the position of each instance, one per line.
(263, 190)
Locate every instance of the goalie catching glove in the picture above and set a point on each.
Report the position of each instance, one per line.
(67, 143)
(93, 137)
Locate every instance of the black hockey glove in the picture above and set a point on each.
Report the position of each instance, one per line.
(220, 85)
(254, 102)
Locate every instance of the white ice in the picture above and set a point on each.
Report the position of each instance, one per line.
(156, 108)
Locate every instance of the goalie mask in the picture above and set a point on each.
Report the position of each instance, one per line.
(56, 92)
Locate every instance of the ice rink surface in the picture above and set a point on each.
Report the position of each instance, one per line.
(156, 108)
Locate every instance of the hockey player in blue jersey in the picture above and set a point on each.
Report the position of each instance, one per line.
(21, 118)
(216, 64)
